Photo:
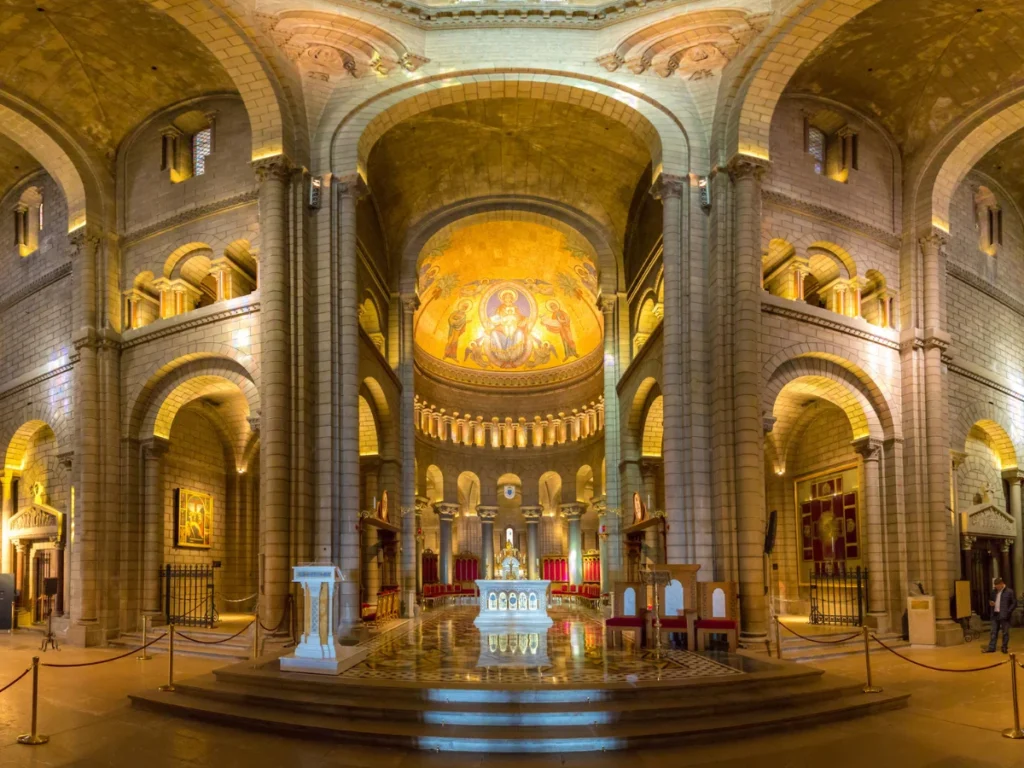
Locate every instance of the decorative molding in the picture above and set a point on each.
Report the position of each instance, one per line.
(190, 324)
(521, 380)
(979, 283)
(18, 385)
(747, 167)
(192, 214)
(985, 381)
(795, 313)
(779, 200)
(49, 278)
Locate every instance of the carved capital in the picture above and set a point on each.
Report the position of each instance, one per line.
(933, 241)
(768, 423)
(351, 186)
(446, 510)
(66, 460)
(84, 242)
(486, 513)
(532, 515)
(869, 448)
(967, 543)
(611, 61)
(957, 458)
(155, 447)
(667, 186)
(1014, 475)
(273, 168)
(422, 504)
(650, 465)
(572, 510)
(935, 339)
(410, 302)
(608, 302)
(747, 167)
(254, 422)
(1007, 543)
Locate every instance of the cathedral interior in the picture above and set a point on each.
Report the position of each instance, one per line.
(732, 292)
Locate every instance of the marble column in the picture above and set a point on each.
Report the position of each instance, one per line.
(532, 517)
(446, 512)
(572, 513)
(408, 437)
(155, 524)
(487, 515)
(346, 544)
(669, 189)
(601, 507)
(873, 531)
(273, 175)
(748, 427)
(1013, 479)
(7, 484)
(612, 437)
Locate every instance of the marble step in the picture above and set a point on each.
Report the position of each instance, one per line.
(553, 738)
(798, 649)
(234, 649)
(505, 714)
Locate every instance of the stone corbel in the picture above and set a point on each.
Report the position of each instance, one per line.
(351, 186)
(869, 448)
(254, 422)
(667, 185)
(957, 458)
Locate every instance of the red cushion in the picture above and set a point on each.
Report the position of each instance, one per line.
(624, 621)
(673, 622)
(716, 624)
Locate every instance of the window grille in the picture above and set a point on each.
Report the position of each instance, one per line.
(816, 148)
(202, 145)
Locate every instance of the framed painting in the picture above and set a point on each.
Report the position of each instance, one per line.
(193, 528)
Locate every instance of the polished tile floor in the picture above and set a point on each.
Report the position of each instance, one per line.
(446, 647)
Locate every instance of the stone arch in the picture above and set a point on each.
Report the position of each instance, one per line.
(584, 476)
(18, 443)
(549, 490)
(645, 393)
(433, 487)
(220, 33)
(349, 146)
(180, 390)
(993, 422)
(385, 413)
(369, 444)
(653, 425)
(182, 254)
(468, 490)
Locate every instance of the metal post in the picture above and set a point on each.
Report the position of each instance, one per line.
(1015, 732)
(170, 662)
(256, 635)
(869, 688)
(34, 738)
(778, 639)
(145, 640)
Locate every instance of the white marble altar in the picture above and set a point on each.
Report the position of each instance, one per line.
(317, 651)
(510, 599)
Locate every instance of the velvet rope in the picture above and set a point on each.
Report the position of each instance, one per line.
(106, 661)
(15, 680)
(215, 642)
(938, 669)
(844, 639)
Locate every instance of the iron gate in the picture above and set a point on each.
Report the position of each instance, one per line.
(839, 595)
(188, 595)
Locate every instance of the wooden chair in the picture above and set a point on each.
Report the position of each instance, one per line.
(677, 604)
(629, 613)
(719, 612)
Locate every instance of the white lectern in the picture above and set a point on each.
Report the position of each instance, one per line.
(317, 651)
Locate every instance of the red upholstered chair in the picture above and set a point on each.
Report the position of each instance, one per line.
(629, 614)
(719, 612)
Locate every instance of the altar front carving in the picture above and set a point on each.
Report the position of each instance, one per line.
(511, 598)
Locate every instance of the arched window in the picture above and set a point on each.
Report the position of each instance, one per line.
(187, 143)
(28, 221)
(988, 218)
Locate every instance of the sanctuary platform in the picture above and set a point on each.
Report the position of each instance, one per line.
(441, 683)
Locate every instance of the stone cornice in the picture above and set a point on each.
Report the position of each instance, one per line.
(189, 215)
(511, 14)
(186, 324)
(41, 282)
(979, 376)
(795, 312)
(30, 379)
(780, 200)
(977, 282)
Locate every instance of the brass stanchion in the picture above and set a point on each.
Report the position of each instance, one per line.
(256, 636)
(869, 688)
(144, 656)
(34, 738)
(778, 638)
(1015, 732)
(170, 662)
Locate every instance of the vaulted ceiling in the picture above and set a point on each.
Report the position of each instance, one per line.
(1005, 164)
(15, 164)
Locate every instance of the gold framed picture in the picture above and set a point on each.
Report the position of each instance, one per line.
(194, 525)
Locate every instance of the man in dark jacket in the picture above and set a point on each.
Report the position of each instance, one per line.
(1003, 602)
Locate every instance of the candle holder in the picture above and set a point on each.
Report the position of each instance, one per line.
(656, 579)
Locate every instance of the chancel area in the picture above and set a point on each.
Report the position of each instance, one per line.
(510, 348)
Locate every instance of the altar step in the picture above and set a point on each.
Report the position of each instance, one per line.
(230, 650)
(798, 649)
(544, 719)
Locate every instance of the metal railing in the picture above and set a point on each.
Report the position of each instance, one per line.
(839, 595)
(188, 595)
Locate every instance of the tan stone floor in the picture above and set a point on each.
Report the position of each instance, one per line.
(954, 721)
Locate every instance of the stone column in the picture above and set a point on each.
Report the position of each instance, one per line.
(272, 175)
(20, 571)
(422, 505)
(446, 512)
(748, 427)
(600, 506)
(967, 547)
(370, 577)
(873, 532)
(408, 438)
(572, 513)
(346, 545)
(7, 484)
(1004, 560)
(155, 524)
(612, 438)
(532, 517)
(669, 189)
(487, 515)
(649, 471)
(936, 342)
(1013, 478)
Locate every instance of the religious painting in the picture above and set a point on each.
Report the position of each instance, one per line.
(194, 525)
(504, 298)
(828, 520)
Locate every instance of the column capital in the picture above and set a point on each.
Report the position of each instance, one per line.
(1014, 475)
(84, 240)
(609, 302)
(649, 465)
(869, 448)
(572, 510)
(66, 459)
(747, 167)
(410, 302)
(422, 504)
(934, 240)
(768, 423)
(272, 168)
(1007, 543)
(254, 422)
(408, 511)
(668, 186)
(446, 510)
(957, 458)
(155, 447)
(967, 543)
(532, 514)
(351, 186)
(486, 513)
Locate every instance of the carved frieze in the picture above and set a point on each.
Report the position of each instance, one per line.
(986, 519)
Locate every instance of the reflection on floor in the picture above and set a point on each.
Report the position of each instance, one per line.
(446, 647)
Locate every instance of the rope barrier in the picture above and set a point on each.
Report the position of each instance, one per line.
(284, 615)
(105, 661)
(844, 639)
(16, 680)
(938, 669)
(241, 599)
(215, 642)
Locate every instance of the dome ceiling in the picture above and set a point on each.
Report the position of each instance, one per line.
(918, 66)
(508, 303)
(484, 147)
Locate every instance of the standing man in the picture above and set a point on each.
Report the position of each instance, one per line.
(1003, 602)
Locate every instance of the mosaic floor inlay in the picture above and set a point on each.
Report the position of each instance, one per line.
(446, 647)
